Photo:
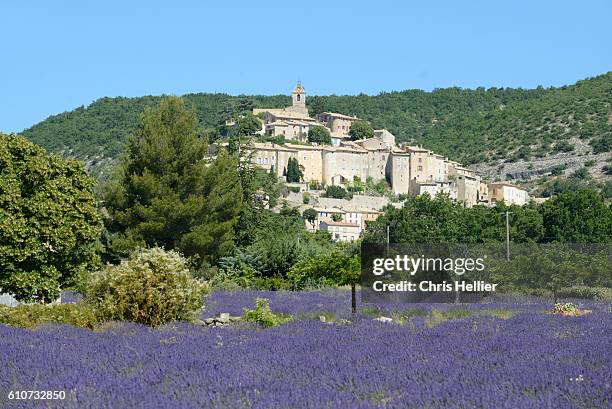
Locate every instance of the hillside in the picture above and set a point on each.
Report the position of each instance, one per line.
(500, 130)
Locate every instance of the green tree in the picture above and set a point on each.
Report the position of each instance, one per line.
(310, 214)
(294, 171)
(338, 267)
(167, 196)
(248, 124)
(49, 221)
(361, 130)
(577, 217)
(335, 191)
(319, 134)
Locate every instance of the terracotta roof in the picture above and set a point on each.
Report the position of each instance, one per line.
(345, 224)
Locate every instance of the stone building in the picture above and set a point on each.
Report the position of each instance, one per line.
(508, 193)
(337, 123)
(411, 170)
(342, 231)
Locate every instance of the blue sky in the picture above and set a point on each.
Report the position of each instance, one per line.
(55, 56)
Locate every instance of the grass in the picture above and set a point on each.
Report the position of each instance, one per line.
(438, 317)
(371, 311)
(498, 312)
(401, 317)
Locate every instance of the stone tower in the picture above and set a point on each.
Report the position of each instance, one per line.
(299, 99)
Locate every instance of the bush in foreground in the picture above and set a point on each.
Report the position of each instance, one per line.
(31, 316)
(263, 315)
(152, 287)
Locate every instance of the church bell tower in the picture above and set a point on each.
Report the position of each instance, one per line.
(299, 99)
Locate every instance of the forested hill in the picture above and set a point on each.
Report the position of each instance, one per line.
(487, 126)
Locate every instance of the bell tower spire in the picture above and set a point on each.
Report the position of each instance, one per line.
(299, 99)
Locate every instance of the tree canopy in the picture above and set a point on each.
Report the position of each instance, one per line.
(167, 195)
(48, 218)
(361, 130)
(319, 134)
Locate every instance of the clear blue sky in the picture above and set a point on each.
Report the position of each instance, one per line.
(55, 56)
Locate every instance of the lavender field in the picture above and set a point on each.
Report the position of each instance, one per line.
(518, 357)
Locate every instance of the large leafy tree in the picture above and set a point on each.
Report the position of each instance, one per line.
(48, 218)
(361, 130)
(248, 124)
(579, 217)
(168, 195)
(319, 134)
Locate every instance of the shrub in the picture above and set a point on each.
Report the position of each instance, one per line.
(33, 315)
(336, 192)
(152, 287)
(566, 308)
(401, 317)
(587, 293)
(438, 317)
(263, 315)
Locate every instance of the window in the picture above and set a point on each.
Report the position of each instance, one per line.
(419, 168)
(299, 97)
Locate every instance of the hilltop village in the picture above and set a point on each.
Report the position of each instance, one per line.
(407, 170)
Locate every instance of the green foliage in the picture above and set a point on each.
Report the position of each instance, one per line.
(310, 214)
(167, 195)
(306, 198)
(470, 126)
(152, 287)
(403, 316)
(554, 267)
(565, 308)
(571, 217)
(562, 146)
(49, 221)
(34, 315)
(438, 317)
(577, 217)
(248, 124)
(263, 315)
(361, 130)
(586, 292)
(333, 268)
(294, 171)
(337, 192)
(320, 135)
(558, 170)
(336, 217)
(581, 173)
(601, 145)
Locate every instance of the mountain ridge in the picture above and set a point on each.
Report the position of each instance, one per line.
(487, 128)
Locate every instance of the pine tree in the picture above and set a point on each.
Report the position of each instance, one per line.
(294, 173)
(166, 195)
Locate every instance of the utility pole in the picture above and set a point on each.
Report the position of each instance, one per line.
(508, 236)
(387, 238)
